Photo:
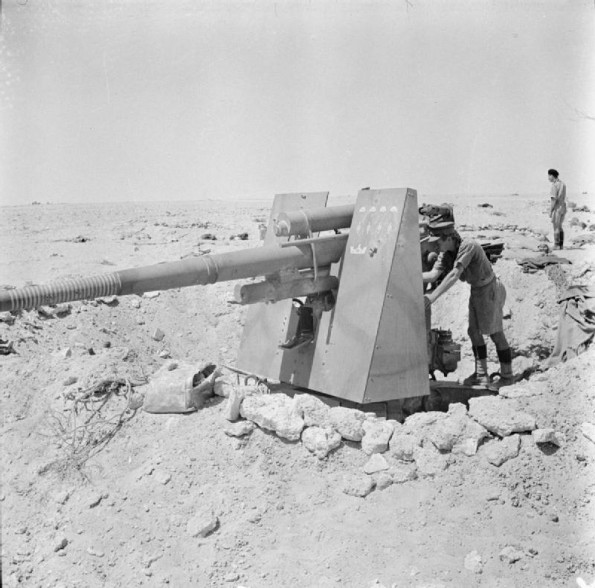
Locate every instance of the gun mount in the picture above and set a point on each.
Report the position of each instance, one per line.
(339, 313)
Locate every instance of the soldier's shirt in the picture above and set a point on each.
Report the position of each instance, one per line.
(558, 195)
(477, 269)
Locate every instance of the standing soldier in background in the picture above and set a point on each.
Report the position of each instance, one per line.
(557, 207)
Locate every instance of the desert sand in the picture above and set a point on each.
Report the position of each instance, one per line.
(120, 518)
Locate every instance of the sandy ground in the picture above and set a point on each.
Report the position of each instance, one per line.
(120, 519)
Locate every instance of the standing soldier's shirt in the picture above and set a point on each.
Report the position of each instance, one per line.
(558, 196)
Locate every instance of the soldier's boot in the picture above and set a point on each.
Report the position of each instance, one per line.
(479, 378)
(304, 333)
(506, 376)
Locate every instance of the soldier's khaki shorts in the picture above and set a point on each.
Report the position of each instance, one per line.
(485, 308)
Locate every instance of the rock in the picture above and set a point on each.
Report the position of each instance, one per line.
(548, 436)
(404, 472)
(524, 389)
(402, 445)
(360, 486)
(223, 387)
(320, 441)
(151, 294)
(239, 429)
(588, 430)
(60, 543)
(162, 477)
(522, 365)
(499, 451)
(135, 303)
(419, 422)
(429, 460)
(235, 399)
(347, 422)
(473, 562)
(95, 497)
(95, 552)
(375, 464)
(377, 435)
(510, 554)
(275, 412)
(202, 523)
(70, 381)
(165, 354)
(383, 481)
(108, 300)
(313, 411)
(500, 416)
(63, 353)
(63, 496)
(158, 335)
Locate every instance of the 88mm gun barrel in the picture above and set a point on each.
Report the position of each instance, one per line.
(200, 271)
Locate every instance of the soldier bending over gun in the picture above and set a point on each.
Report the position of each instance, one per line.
(485, 302)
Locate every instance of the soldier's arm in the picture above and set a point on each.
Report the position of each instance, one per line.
(449, 281)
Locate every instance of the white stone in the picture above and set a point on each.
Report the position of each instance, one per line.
(510, 554)
(239, 429)
(360, 486)
(523, 390)
(347, 422)
(500, 416)
(429, 460)
(499, 451)
(548, 436)
(375, 464)
(275, 412)
(312, 410)
(377, 435)
(158, 335)
(402, 445)
(320, 441)
(383, 481)
(473, 562)
(234, 401)
(403, 472)
(202, 523)
(223, 387)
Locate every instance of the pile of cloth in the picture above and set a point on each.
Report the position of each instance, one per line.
(533, 264)
(576, 327)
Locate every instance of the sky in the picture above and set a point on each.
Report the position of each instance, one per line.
(190, 100)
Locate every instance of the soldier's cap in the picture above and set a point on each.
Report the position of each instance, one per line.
(438, 230)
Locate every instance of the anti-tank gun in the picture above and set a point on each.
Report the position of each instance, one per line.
(339, 311)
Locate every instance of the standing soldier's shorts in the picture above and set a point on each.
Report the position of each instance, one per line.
(485, 307)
